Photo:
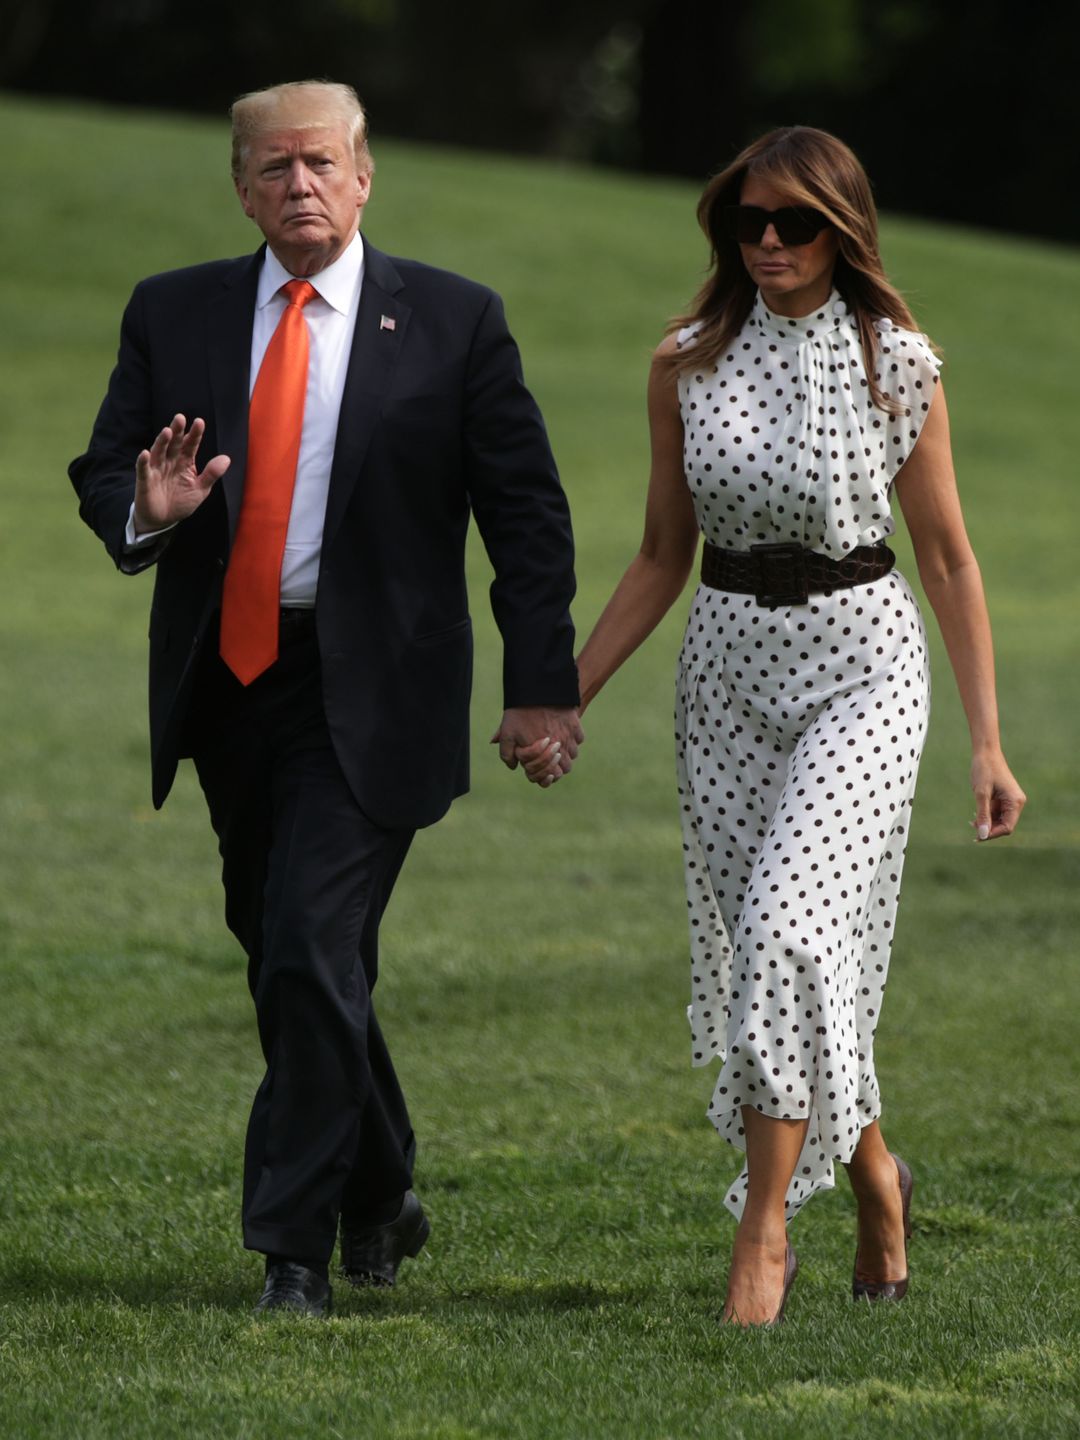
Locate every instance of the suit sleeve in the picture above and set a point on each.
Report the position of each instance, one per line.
(523, 518)
(104, 478)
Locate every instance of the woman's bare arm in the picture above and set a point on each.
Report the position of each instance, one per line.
(657, 573)
(926, 487)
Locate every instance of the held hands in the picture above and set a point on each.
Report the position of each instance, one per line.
(543, 741)
(998, 798)
(168, 487)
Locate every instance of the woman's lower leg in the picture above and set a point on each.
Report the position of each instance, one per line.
(756, 1279)
(875, 1182)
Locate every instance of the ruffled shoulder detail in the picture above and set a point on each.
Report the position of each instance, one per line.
(684, 339)
(907, 372)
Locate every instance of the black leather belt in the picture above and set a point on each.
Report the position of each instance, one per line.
(296, 619)
(789, 574)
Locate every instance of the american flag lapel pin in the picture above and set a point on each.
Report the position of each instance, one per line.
(387, 322)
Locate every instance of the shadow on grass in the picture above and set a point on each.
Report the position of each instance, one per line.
(40, 1281)
(217, 1288)
(552, 1297)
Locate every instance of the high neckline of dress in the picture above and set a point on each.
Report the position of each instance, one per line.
(806, 327)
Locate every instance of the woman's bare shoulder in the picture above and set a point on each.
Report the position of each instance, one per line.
(675, 341)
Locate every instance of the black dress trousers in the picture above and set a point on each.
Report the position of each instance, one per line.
(307, 877)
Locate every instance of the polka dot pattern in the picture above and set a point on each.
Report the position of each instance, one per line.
(798, 733)
(782, 441)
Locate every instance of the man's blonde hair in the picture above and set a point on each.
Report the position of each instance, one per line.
(300, 104)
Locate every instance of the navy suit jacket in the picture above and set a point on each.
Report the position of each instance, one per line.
(436, 422)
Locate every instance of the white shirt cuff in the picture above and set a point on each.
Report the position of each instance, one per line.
(136, 542)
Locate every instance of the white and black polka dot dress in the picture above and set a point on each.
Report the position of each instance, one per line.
(799, 729)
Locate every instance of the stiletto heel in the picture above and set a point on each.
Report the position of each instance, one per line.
(888, 1289)
(791, 1269)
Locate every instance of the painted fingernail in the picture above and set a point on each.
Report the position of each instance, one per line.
(984, 832)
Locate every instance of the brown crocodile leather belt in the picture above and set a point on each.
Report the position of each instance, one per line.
(789, 574)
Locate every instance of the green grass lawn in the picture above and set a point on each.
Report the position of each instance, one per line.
(535, 960)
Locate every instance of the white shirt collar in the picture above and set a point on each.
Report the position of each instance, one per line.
(338, 284)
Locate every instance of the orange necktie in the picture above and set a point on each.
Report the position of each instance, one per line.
(252, 595)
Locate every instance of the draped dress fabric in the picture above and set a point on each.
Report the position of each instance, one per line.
(798, 729)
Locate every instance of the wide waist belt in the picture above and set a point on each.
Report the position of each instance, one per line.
(789, 574)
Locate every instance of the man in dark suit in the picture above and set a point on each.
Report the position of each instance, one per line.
(310, 645)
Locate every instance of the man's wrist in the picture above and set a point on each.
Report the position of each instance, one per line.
(135, 538)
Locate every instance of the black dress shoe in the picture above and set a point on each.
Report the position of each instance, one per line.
(371, 1254)
(888, 1289)
(295, 1288)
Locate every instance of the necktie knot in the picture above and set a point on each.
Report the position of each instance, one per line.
(299, 292)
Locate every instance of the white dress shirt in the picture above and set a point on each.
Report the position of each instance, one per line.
(331, 319)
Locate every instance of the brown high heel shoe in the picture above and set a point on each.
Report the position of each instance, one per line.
(888, 1289)
(791, 1269)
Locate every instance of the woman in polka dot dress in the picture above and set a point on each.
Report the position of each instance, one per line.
(787, 410)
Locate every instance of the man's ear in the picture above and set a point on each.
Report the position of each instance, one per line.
(242, 194)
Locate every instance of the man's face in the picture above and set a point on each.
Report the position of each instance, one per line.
(301, 187)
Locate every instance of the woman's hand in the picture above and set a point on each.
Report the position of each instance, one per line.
(543, 740)
(998, 798)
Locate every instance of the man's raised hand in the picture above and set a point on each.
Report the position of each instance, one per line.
(168, 487)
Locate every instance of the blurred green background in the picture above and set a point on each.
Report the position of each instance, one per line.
(535, 956)
(963, 111)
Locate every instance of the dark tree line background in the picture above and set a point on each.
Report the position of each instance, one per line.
(961, 109)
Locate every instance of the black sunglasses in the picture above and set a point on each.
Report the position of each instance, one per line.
(747, 224)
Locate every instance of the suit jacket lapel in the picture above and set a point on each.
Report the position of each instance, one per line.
(230, 323)
(381, 322)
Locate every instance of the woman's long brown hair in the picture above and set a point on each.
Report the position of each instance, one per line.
(813, 169)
